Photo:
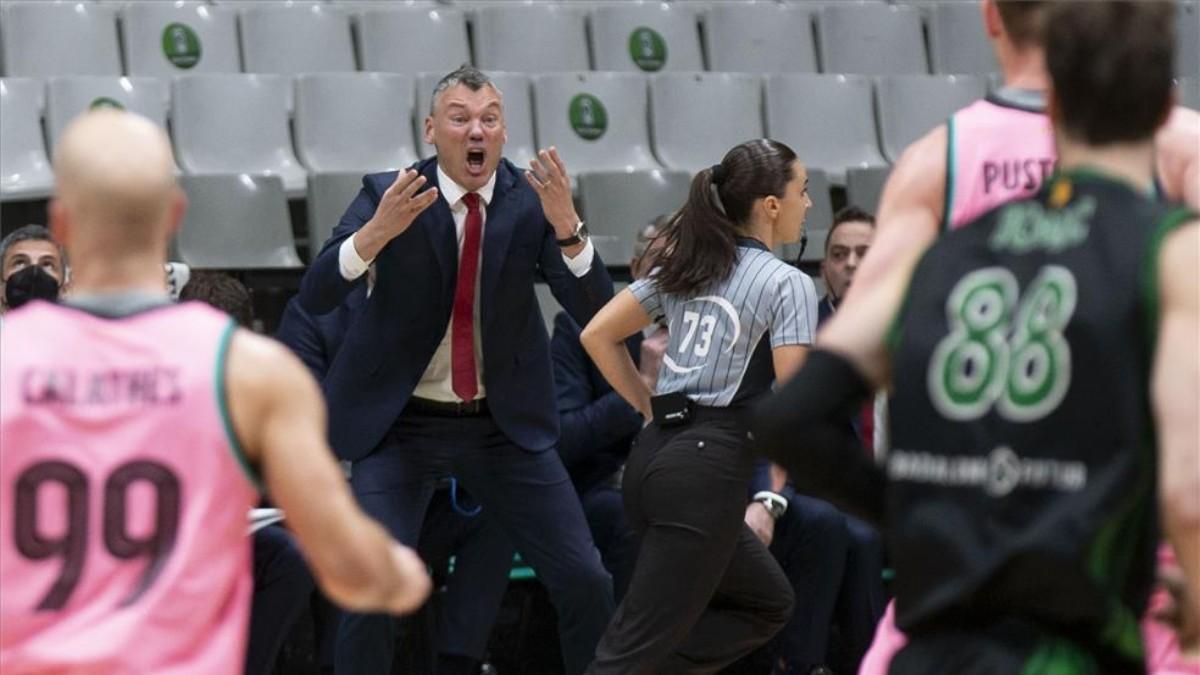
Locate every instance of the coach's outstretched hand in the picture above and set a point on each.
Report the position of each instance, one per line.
(399, 207)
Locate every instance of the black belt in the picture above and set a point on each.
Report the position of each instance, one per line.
(427, 406)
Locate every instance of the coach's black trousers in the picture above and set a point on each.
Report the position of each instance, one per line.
(705, 591)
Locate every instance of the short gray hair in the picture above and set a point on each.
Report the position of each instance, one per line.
(29, 233)
(467, 75)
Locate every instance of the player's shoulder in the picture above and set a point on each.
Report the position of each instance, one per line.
(261, 364)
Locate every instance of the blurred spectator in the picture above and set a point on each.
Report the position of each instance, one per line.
(32, 267)
(849, 238)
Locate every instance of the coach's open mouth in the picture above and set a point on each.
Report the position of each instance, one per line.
(476, 158)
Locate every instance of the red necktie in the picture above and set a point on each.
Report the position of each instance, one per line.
(462, 330)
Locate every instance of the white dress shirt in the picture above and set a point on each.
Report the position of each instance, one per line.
(436, 383)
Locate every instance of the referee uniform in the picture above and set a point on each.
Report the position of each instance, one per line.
(705, 590)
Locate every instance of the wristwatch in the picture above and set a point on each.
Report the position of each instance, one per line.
(775, 504)
(579, 236)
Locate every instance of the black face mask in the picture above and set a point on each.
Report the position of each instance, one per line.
(30, 283)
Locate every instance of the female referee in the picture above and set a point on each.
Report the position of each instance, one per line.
(705, 591)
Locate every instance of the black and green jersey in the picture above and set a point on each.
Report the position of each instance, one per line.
(1022, 470)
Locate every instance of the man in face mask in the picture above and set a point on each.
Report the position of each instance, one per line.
(31, 267)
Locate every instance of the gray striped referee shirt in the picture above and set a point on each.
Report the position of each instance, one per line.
(714, 333)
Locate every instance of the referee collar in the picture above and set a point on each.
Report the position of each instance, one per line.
(751, 242)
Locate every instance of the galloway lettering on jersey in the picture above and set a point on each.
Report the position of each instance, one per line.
(998, 473)
(1011, 174)
(146, 387)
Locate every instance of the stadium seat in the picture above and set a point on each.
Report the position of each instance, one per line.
(958, 42)
(162, 39)
(829, 120)
(597, 120)
(252, 4)
(646, 37)
(329, 194)
(1189, 91)
(246, 133)
(760, 37)
(373, 134)
(25, 171)
(294, 39)
(68, 97)
(911, 105)
(871, 39)
(412, 40)
(42, 39)
(361, 5)
(518, 114)
(615, 203)
(1187, 39)
(235, 221)
(816, 222)
(697, 117)
(534, 38)
(864, 187)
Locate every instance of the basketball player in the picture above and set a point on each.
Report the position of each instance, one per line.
(999, 149)
(1027, 357)
(133, 432)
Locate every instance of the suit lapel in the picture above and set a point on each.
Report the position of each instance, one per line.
(441, 232)
(498, 230)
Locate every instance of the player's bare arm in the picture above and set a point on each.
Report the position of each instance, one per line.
(1175, 391)
(910, 210)
(1177, 154)
(279, 418)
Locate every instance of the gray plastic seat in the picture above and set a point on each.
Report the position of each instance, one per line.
(816, 222)
(293, 39)
(373, 134)
(1187, 38)
(253, 4)
(162, 39)
(412, 40)
(870, 38)
(235, 221)
(69, 97)
(42, 39)
(647, 37)
(910, 105)
(25, 171)
(864, 187)
(329, 195)
(829, 120)
(697, 117)
(246, 133)
(616, 203)
(760, 37)
(534, 38)
(596, 120)
(1189, 91)
(518, 114)
(958, 42)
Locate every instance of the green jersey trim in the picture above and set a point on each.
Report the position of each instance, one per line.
(1056, 656)
(235, 446)
(948, 198)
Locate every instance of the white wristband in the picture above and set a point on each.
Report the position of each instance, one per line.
(773, 498)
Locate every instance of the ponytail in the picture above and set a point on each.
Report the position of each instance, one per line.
(700, 246)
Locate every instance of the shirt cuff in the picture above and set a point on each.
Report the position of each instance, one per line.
(349, 263)
(580, 265)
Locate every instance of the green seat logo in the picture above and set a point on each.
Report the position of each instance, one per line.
(647, 49)
(589, 119)
(180, 45)
(106, 102)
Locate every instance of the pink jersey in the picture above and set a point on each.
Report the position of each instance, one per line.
(123, 544)
(996, 152)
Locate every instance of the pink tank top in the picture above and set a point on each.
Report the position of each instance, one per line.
(996, 152)
(123, 545)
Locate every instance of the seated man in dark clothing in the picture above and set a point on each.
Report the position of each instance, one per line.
(474, 590)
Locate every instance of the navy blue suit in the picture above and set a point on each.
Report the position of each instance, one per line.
(400, 453)
(597, 429)
(475, 589)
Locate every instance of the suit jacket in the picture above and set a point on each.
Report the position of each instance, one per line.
(317, 339)
(388, 347)
(597, 424)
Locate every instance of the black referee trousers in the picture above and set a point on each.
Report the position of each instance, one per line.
(705, 591)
